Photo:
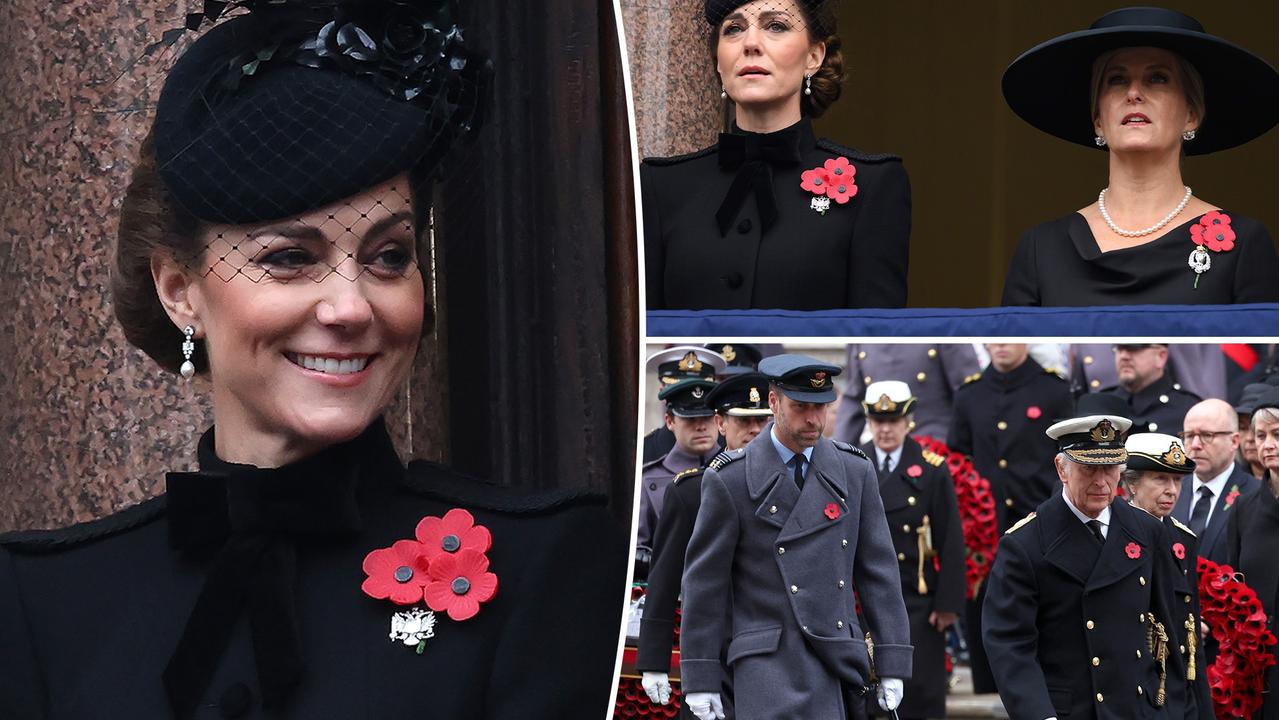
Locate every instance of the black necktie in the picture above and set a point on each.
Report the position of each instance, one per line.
(887, 465)
(1199, 515)
(799, 471)
(1095, 526)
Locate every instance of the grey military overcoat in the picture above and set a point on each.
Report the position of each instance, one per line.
(789, 561)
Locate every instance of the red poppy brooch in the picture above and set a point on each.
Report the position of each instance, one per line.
(833, 180)
(445, 566)
(1179, 551)
(1133, 550)
(1232, 496)
(914, 471)
(1212, 232)
(832, 511)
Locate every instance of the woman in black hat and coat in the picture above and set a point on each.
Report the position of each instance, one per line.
(270, 240)
(1150, 86)
(771, 216)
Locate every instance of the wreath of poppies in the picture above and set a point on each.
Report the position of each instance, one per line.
(976, 511)
(633, 702)
(1237, 621)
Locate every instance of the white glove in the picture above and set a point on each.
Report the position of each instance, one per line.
(890, 693)
(658, 687)
(705, 706)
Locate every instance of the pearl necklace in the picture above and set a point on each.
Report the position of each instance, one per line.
(1101, 205)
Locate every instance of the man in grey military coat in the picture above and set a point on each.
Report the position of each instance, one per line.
(787, 529)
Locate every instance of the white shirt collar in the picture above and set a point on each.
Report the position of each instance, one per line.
(1103, 518)
(896, 455)
(1217, 484)
(785, 452)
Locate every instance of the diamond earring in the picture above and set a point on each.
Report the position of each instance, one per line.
(1101, 141)
(1188, 135)
(808, 84)
(723, 93)
(188, 347)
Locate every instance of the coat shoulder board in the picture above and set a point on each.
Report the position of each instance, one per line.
(851, 449)
(677, 159)
(725, 457)
(37, 541)
(933, 458)
(1018, 525)
(424, 477)
(1055, 372)
(854, 154)
(691, 472)
(1182, 527)
(972, 378)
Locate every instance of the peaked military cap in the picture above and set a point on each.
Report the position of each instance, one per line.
(801, 378)
(683, 362)
(742, 395)
(687, 398)
(888, 399)
(1157, 452)
(1092, 439)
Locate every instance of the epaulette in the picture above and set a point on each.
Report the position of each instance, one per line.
(677, 159)
(1054, 371)
(424, 477)
(85, 532)
(854, 154)
(850, 448)
(972, 378)
(725, 457)
(1182, 527)
(933, 458)
(1017, 525)
(691, 472)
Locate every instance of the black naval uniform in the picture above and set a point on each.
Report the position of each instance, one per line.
(91, 615)
(670, 541)
(934, 373)
(992, 422)
(1158, 407)
(708, 241)
(920, 487)
(1184, 604)
(1066, 617)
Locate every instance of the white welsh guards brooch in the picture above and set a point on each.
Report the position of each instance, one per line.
(445, 567)
(833, 180)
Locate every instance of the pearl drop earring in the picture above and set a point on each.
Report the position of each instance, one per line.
(808, 84)
(188, 347)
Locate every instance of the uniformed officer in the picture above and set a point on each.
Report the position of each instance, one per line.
(681, 362)
(1077, 620)
(1152, 478)
(1195, 368)
(741, 412)
(934, 372)
(999, 420)
(923, 517)
(787, 529)
(691, 420)
(1156, 403)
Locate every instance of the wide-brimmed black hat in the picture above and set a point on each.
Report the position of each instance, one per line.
(1049, 85)
(295, 105)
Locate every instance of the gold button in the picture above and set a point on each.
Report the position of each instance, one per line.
(1100, 698)
(1090, 625)
(843, 543)
(861, 355)
(841, 583)
(1003, 463)
(1153, 426)
(1096, 661)
(1163, 399)
(932, 352)
(901, 556)
(1001, 425)
(1141, 617)
(1008, 502)
(905, 528)
(772, 509)
(1095, 383)
(1088, 359)
(839, 624)
(920, 377)
(1138, 654)
(781, 551)
(794, 589)
(1183, 649)
(910, 500)
(1187, 598)
(1141, 580)
(1138, 689)
(866, 379)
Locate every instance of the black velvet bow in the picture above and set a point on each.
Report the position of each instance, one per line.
(248, 521)
(753, 156)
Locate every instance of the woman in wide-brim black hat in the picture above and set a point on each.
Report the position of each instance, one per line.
(1149, 86)
(274, 240)
(772, 216)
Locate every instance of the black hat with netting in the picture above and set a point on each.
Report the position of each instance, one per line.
(723, 13)
(286, 108)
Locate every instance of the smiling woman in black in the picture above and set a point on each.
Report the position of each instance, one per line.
(1160, 88)
(772, 216)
